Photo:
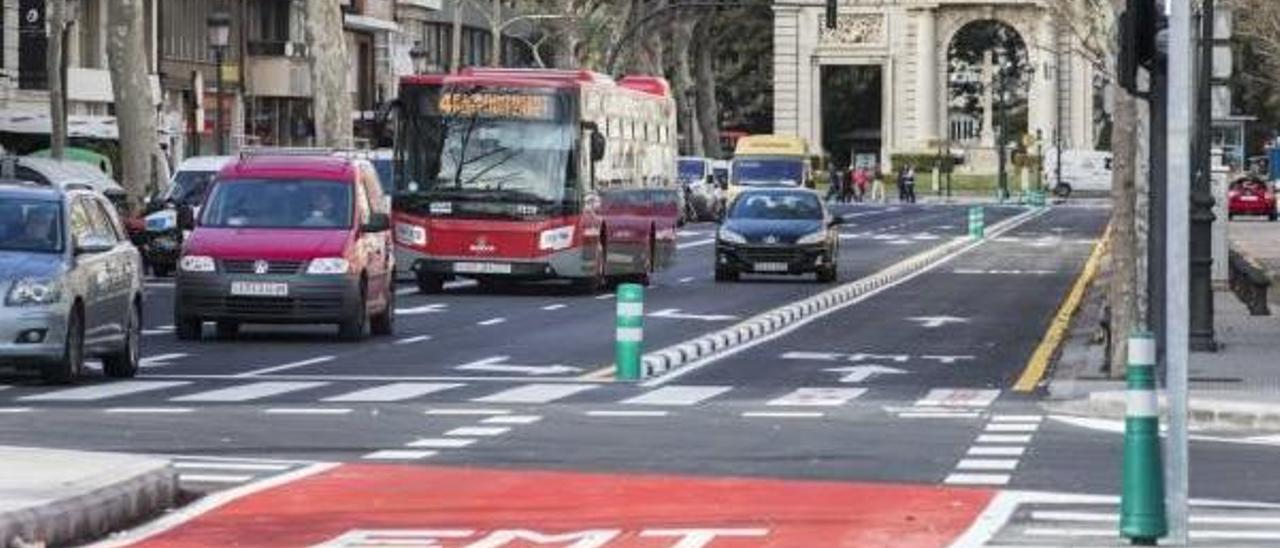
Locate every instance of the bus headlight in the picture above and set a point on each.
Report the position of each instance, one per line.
(556, 239)
(410, 234)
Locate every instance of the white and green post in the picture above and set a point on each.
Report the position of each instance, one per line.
(1142, 510)
(629, 337)
(977, 228)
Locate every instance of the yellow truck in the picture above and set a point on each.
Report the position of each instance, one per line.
(770, 160)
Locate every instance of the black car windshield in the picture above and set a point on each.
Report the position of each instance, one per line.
(777, 206)
(279, 204)
(691, 170)
(30, 225)
(189, 187)
(751, 171)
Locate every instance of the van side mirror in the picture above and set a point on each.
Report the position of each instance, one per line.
(378, 222)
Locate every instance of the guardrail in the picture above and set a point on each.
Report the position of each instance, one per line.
(1249, 282)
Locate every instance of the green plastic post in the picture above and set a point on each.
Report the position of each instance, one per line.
(977, 229)
(1142, 512)
(629, 335)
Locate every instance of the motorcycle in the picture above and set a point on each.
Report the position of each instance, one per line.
(163, 238)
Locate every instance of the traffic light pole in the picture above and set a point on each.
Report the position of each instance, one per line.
(1202, 217)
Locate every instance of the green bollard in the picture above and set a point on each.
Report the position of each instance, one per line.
(629, 336)
(977, 229)
(1142, 512)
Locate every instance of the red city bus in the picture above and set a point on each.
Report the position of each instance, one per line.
(523, 174)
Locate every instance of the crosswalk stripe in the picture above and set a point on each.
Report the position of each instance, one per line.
(977, 479)
(959, 397)
(441, 443)
(512, 419)
(240, 466)
(535, 393)
(987, 464)
(248, 392)
(818, 397)
(104, 391)
(677, 395)
(213, 478)
(398, 454)
(398, 391)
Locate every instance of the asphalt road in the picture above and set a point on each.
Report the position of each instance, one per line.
(910, 385)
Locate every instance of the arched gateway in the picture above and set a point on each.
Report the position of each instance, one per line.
(910, 76)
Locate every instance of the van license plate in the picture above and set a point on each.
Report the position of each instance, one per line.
(482, 268)
(770, 267)
(259, 289)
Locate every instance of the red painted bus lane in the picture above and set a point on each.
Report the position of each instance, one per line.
(392, 505)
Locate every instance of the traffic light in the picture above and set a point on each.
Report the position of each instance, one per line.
(1139, 25)
(833, 9)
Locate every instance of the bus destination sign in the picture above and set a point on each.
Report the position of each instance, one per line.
(497, 105)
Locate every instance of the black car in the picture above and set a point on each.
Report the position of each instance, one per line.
(778, 231)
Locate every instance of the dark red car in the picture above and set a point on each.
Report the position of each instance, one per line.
(290, 239)
(1249, 196)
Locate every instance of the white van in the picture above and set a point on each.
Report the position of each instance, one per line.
(1083, 171)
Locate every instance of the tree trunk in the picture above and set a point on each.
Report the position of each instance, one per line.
(683, 89)
(495, 34)
(57, 21)
(330, 97)
(565, 55)
(1121, 293)
(134, 101)
(708, 108)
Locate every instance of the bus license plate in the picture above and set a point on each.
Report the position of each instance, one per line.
(259, 289)
(770, 267)
(482, 268)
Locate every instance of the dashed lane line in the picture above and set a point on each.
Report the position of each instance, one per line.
(626, 414)
(553, 307)
(492, 321)
(413, 340)
(470, 412)
(149, 410)
(307, 411)
(441, 443)
(478, 431)
(512, 419)
(783, 414)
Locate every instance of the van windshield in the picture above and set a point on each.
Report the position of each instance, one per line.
(279, 204)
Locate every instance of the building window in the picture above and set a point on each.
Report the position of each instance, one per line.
(271, 22)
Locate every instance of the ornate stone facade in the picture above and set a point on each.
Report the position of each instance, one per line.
(909, 41)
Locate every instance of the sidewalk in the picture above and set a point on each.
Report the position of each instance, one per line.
(55, 497)
(1259, 240)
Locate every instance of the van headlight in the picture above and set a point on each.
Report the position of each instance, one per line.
(329, 265)
(34, 292)
(411, 234)
(556, 239)
(815, 238)
(732, 237)
(196, 263)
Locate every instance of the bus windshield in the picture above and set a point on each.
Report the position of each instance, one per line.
(752, 171)
(486, 145)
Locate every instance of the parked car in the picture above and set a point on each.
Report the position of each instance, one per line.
(71, 280)
(702, 194)
(778, 231)
(1251, 196)
(185, 194)
(69, 173)
(289, 239)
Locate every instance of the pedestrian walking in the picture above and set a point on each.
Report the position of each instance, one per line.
(877, 186)
(834, 179)
(860, 180)
(909, 185)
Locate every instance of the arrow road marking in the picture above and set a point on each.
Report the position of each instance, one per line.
(676, 314)
(862, 357)
(496, 364)
(931, 322)
(857, 373)
(823, 356)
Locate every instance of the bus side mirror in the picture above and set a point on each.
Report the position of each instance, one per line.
(597, 146)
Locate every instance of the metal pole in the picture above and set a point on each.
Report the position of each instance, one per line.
(455, 40)
(1181, 109)
(1057, 167)
(1001, 145)
(495, 29)
(217, 86)
(1202, 217)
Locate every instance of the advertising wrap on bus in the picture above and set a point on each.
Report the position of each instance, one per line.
(531, 175)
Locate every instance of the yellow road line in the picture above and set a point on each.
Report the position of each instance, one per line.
(1039, 362)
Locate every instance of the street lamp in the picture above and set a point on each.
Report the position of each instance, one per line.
(219, 23)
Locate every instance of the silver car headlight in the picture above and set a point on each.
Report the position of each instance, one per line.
(34, 292)
(815, 238)
(732, 237)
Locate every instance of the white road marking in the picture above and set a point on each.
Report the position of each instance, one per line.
(1012, 427)
(938, 415)
(687, 279)
(612, 413)
(535, 393)
(286, 367)
(14, 410)
(854, 374)
(248, 392)
(1102, 517)
(496, 363)
(784, 414)
(604, 296)
(160, 360)
(1004, 438)
(1016, 418)
(677, 395)
(307, 411)
(473, 412)
(149, 410)
(977, 479)
(240, 466)
(818, 397)
(398, 391)
(413, 340)
(934, 322)
(512, 419)
(440, 443)
(478, 431)
(104, 391)
(696, 243)
(398, 454)
(213, 478)
(492, 321)
(987, 464)
(996, 451)
(160, 330)
(556, 306)
(424, 309)
(823, 356)
(958, 397)
(676, 314)
(405, 291)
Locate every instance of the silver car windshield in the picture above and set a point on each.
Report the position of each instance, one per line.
(30, 225)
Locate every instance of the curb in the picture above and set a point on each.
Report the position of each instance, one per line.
(1203, 413)
(666, 360)
(144, 488)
